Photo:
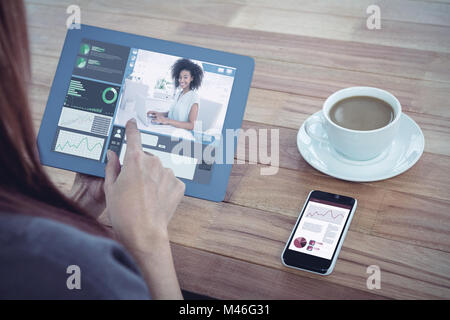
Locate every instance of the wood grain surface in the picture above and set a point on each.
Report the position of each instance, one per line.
(304, 51)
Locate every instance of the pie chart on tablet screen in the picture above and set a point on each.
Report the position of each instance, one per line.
(300, 242)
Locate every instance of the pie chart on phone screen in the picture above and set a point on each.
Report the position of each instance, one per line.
(300, 242)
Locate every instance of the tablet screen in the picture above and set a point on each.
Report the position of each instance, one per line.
(111, 83)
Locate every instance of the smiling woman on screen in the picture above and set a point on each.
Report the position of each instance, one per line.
(45, 236)
(184, 110)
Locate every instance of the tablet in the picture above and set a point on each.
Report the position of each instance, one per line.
(105, 77)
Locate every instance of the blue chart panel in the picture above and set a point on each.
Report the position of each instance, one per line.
(92, 96)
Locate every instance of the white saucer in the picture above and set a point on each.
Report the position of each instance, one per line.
(403, 153)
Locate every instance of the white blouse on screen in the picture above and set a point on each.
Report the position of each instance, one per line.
(181, 107)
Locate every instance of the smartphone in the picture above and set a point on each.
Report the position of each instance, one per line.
(317, 237)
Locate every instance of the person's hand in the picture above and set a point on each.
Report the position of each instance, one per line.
(88, 192)
(154, 114)
(142, 196)
(161, 119)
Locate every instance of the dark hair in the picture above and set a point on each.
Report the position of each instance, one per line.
(195, 70)
(25, 188)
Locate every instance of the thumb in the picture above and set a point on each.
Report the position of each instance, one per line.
(112, 169)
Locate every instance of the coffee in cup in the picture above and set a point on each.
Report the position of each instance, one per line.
(362, 113)
(358, 122)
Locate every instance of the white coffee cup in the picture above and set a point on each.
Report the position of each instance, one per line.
(355, 144)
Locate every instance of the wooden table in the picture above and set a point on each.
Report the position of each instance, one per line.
(304, 51)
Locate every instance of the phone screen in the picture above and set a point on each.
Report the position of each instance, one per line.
(320, 227)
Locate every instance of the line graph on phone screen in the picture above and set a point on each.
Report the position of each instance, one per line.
(331, 215)
(81, 145)
(325, 221)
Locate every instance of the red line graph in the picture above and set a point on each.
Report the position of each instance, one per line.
(330, 212)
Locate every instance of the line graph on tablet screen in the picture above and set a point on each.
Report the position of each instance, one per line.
(79, 145)
(84, 121)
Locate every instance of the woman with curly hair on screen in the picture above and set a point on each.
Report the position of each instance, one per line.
(184, 111)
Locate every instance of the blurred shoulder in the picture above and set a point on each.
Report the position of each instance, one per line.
(39, 252)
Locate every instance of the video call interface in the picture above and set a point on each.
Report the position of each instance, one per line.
(111, 84)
